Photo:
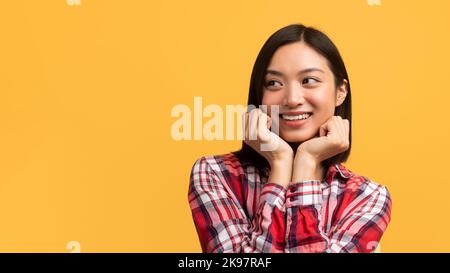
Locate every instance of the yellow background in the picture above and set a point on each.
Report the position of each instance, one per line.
(86, 92)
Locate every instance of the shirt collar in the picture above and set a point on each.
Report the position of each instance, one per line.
(337, 169)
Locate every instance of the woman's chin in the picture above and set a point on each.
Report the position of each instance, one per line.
(296, 137)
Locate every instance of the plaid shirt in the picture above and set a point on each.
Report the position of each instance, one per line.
(235, 209)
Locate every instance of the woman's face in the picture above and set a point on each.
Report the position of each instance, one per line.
(300, 82)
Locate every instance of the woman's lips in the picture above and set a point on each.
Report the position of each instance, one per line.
(295, 123)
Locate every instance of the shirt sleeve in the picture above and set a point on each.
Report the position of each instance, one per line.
(221, 223)
(359, 228)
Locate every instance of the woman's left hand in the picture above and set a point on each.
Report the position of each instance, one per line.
(333, 139)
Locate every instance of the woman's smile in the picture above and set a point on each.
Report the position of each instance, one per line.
(295, 119)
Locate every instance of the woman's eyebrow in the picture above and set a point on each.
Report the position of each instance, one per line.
(278, 73)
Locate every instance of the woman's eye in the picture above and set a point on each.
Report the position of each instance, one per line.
(309, 79)
(273, 83)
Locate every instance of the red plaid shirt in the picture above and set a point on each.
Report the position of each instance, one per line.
(236, 210)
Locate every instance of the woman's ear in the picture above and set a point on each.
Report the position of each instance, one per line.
(341, 93)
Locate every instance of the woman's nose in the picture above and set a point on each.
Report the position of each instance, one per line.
(294, 96)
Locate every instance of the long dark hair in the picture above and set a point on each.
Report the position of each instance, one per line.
(322, 45)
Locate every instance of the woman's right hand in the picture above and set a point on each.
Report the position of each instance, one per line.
(272, 147)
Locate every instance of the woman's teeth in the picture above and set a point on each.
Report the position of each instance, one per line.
(303, 116)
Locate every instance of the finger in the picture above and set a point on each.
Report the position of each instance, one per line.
(343, 138)
(347, 126)
(331, 128)
(245, 125)
(323, 130)
(340, 126)
(266, 115)
(263, 131)
(347, 129)
(253, 124)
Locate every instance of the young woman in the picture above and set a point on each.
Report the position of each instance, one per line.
(296, 197)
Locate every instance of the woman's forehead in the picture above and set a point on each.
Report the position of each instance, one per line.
(296, 57)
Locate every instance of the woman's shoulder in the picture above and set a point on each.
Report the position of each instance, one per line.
(223, 174)
(221, 163)
(356, 182)
(219, 160)
(360, 191)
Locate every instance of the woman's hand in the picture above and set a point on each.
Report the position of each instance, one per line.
(273, 148)
(333, 139)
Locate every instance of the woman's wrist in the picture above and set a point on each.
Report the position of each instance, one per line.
(280, 171)
(306, 167)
